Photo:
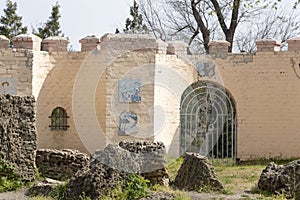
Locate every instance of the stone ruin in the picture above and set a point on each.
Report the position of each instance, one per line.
(109, 168)
(282, 179)
(60, 164)
(151, 159)
(18, 134)
(196, 173)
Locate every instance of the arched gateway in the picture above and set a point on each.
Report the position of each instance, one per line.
(208, 121)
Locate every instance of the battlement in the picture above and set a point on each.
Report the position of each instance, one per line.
(133, 42)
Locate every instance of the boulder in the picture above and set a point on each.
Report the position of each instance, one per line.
(196, 173)
(118, 158)
(283, 179)
(94, 181)
(151, 157)
(60, 164)
(109, 168)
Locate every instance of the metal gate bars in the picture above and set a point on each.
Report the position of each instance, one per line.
(208, 121)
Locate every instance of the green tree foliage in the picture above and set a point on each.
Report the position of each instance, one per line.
(52, 26)
(11, 23)
(135, 25)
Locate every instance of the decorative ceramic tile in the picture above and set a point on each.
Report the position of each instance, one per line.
(130, 90)
(8, 85)
(206, 69)
(128, 123)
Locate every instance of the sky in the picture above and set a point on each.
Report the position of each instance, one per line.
(79, 18)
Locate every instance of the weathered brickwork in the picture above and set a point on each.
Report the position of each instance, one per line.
(18, 141)
(60, 164)
(264, 86)
(17, 64)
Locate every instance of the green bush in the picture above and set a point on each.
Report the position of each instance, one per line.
(59, 192)
(9, 180)
(136, 187)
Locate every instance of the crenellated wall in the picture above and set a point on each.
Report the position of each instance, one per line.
(128, 87)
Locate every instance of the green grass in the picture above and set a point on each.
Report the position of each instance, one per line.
(236, 178)
(42, 198)
(9, 180)
(173, 167)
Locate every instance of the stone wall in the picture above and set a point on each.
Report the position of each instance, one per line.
(60, 164)
(133, 66)
(17, 134)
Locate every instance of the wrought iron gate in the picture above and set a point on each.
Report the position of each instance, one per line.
(208, 121)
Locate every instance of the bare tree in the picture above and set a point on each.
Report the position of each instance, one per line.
(199, 21)
(279, 25)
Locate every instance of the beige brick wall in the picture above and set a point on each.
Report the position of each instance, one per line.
(40, 70)
(89, 101)
(57, 91)
(132, 65)
(266, 92)
(266, 88)
(17, 64)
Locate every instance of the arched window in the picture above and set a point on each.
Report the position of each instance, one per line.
(59, 119)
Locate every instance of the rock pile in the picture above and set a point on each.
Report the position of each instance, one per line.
(196, 173)
(18, 134)
(60, 164)
(283, 179)
(109, 168)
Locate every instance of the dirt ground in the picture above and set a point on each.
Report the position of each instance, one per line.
(20, 195)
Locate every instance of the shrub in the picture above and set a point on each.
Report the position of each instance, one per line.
(134, 187)
(9, 180)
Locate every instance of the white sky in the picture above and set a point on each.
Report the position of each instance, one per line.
(79, 18)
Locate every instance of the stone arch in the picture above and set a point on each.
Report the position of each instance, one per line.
(208, 120)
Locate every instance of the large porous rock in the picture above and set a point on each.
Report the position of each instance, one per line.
(151, 157)
(283, 179)
(106, 171)
(195, 173)
(60, 164)
(94, 181)
(18, 139)
(109, 168)
(118, 158)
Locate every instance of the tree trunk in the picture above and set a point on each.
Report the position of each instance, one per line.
(205, 32)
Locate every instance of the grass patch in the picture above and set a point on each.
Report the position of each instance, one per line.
(181, 196)
(9, 180)
(135, 187)
(173, 167)
(239, 178)
(42, 198)
(235, 177)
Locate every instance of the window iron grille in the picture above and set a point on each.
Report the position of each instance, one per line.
(59, 119)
